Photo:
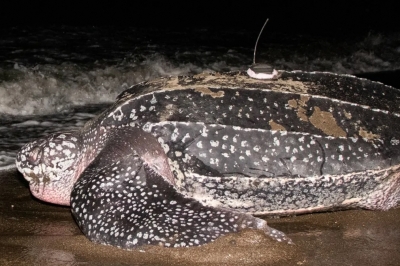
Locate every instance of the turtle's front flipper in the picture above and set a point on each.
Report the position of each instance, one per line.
(122, 200)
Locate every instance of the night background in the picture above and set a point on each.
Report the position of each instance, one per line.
(292, 16)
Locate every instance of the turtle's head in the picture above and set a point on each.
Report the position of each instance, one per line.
(51, 166)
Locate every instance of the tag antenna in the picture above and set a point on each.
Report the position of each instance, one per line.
(255, 47)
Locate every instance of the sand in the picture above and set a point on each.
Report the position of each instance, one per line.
(37, 233)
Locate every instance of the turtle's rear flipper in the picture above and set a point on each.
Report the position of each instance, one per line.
(121, 200)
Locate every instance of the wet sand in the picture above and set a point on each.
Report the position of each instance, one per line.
(36, 233)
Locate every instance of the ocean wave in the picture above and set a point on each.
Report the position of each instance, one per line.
(51, 80)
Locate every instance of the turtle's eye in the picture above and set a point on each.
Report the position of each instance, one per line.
(35, 155)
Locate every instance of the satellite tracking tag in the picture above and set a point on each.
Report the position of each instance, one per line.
(261, 71)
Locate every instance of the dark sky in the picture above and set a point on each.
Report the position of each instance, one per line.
(285, 15)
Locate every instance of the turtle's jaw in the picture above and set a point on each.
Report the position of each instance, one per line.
(50, 194)
(43, 189)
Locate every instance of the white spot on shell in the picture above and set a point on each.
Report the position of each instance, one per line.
(214, 143)
(199, 144)
(153, 100)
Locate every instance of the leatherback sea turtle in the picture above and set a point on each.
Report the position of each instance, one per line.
(180, 161)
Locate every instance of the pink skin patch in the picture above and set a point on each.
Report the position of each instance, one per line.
(48, 194)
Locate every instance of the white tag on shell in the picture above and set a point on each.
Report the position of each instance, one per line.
(262, 71)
